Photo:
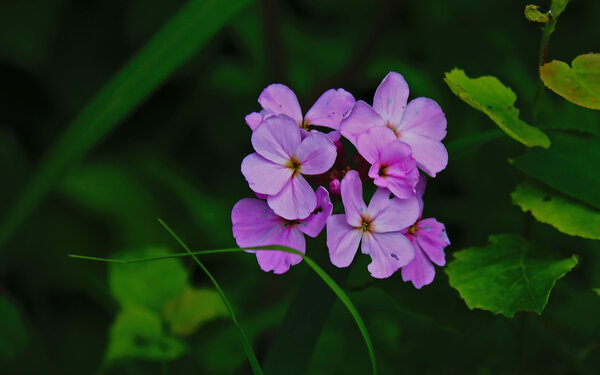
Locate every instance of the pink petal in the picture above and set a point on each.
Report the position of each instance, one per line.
(342, 241)
(330, 108)
(280, 261)
(372, 142)
(314, 224)
(401, 174)
(264, 176)
(354, 205)
(388, 251)
(390, 98)
(296, 200)
(280, 100)
(360, 119)
(276, 139)
(391, 214)
(423, 116)
(420, 271)
(254, 223)
(316, 154)
(431, 155)
(255, 118)
(334, 136)
(431, 236)
(420, 188)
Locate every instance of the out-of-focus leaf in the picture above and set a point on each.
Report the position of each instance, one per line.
(175, 43)
(533, 14)
(488, 95)
(149, 284)
(570, 166)
(186, 312)
(13, 334)
(505, 276)
(578, 83)
(565, 214)
(557, 7)
(597, 290)
(462, 146)
(137, 334)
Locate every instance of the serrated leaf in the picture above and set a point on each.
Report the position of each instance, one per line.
(186, 312)
(565, 214)
(533, 14)
(578, 83)
(505, 276)
(488, 95)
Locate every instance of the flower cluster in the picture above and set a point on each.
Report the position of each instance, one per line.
(393, 139)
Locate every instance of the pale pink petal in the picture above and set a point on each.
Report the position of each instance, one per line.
(280, 261)
(396, 169)
(421, 185)
(388, 251)
(354, 205)
(296, 200)
(254, 223)
(280, 100)
(430, 154)
(423, 116)
(342, 240)
(264, 176)
(371, 143)
(361, 118)
(276, 139)
(391, 214)
(401, 187)
(432, 237)
(316, 154)
(255, 118)
(335, 136)
(304, 133)
(420, 271)
(330, 108)
(314, 224)
(390, 98)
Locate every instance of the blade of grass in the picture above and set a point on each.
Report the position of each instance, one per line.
(174, 44)
(314, 266)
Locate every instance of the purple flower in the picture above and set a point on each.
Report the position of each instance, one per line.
(255, 224)
(378, 225)
(278, 99)
(281, 159)
(421, 124)
(429, 238)
(392, 164)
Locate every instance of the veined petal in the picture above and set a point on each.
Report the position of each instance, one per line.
(264, 176)
(316, 154)
(314, 224)
(430, 154)
(276, 139)
(361, 118)
(354, 205)
(280, 261)
(372, 142)
(330, 108)
(254, 223)
(296, 200)
(281, 100)
(342, 240)
(390, 98)
(388, 251)
(420, 271)
(391, 214)
(423, 116)
(432, 237)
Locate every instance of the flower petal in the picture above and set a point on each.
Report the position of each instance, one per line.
(400, 173)
(276, 139)
(432, 237)
(330, 108)
(372, 142)
(390, 98)
(420, 188)
(296, 200)
(420, 271)
(256, 118)
(425, 117)
(280, 261)
(354, 205)
(316, 154)
(391, 214)
(281, 100)
(430, 154)
(360, 119)
(342, 241)
(388, 251)
(254, 223)
(264, 176)
(314, 224)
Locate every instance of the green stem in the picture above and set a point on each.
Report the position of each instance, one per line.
(546, 32)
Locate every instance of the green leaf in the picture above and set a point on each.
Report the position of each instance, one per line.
(570, 166)
(185, 313)
(579, 84)
(137, 333)
(471, 142)
(505, 276)
(13, 334)
(597, 290)
(557, 7)
(174, 44)
(488, 95)
(565, 214)
(533, 14)
(149, 285)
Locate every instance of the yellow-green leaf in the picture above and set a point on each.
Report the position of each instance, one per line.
(192, 308)
(533, 14)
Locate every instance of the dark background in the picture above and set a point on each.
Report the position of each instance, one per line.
(178, 155)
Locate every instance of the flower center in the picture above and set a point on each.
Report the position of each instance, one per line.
(366, 223)
(294, 165)
(413, 229)
(383, 171)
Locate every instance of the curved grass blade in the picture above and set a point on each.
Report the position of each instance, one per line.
(314, 266)
(174, 44)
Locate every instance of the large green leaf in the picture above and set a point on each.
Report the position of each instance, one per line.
(175, 43)
(193, 307)
(570, 166)
(506, 276)
(565, 214)
(578, 83)
(488, 95)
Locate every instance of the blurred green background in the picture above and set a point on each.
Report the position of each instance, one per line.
(177, 156)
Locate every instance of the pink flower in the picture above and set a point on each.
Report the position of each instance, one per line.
(429, 238)
(421, 124)
(278, 99)
(392, 164)
(255, 224)
(281, 159)
(378, 225)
